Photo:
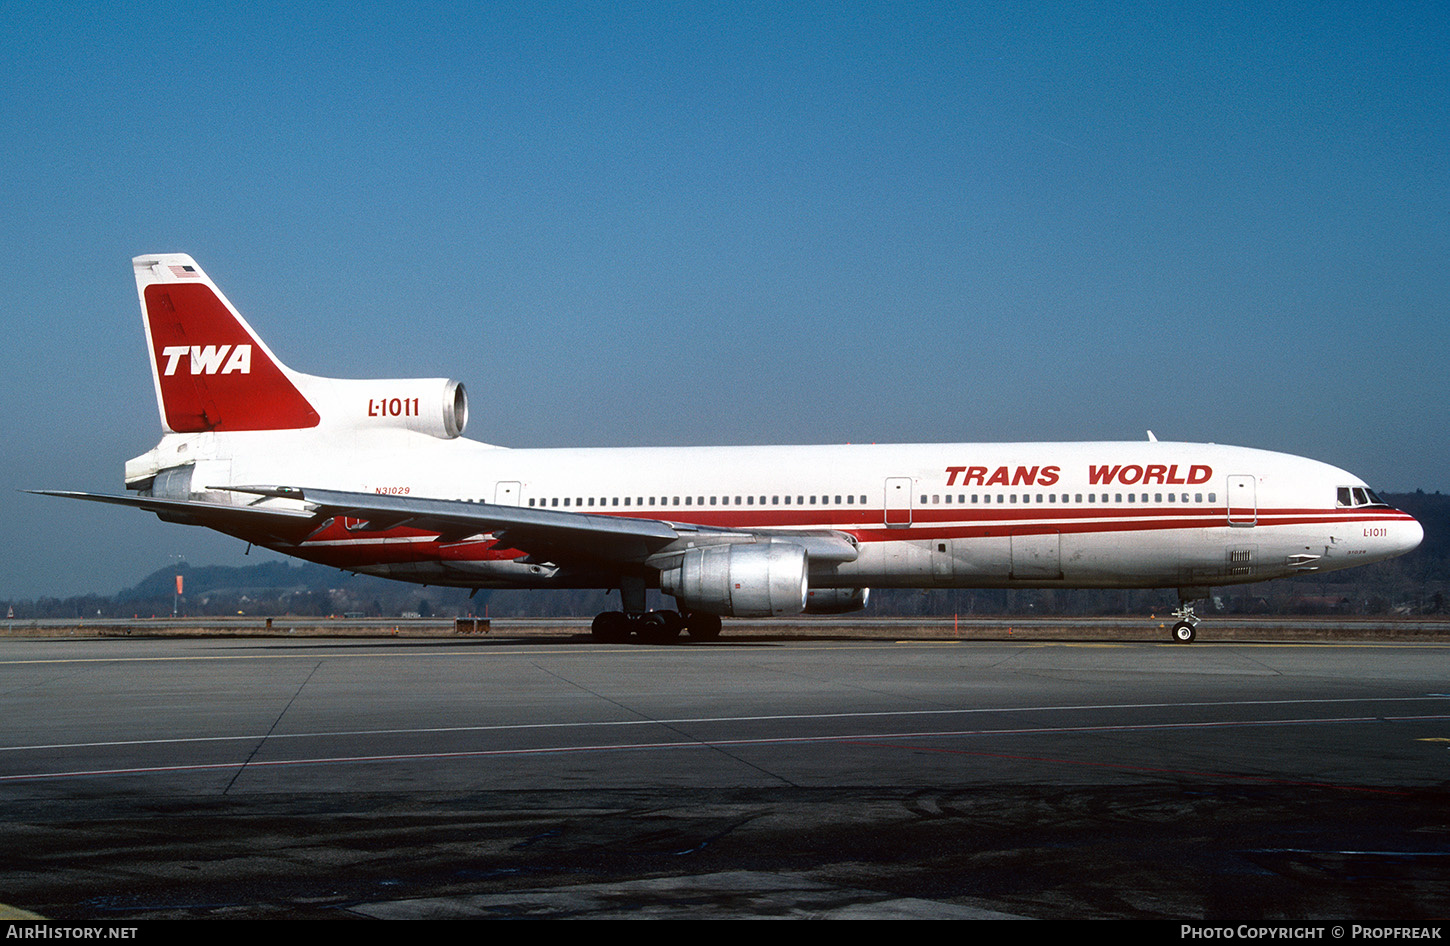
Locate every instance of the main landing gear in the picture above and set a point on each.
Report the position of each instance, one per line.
(649, 627)
(653, 627)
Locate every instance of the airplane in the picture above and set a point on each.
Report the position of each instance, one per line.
(375, 477)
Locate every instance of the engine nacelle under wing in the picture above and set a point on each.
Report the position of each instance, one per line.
(744, 581)
(836, 600)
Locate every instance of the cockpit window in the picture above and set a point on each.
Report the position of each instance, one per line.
(1358, 496)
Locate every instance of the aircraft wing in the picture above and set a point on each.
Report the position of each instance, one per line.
(545, 535)
(285, 525)
(549, 534)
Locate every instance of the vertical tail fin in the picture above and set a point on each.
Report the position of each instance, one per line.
(211, 370)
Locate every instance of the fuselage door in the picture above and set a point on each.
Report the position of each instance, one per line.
(898, 501)
(1243, 504)
(1036, 556)
(507, 493)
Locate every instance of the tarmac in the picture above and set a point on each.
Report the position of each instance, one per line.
(768, 774)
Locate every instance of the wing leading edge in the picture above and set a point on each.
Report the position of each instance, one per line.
(543, 535)
(552, 535)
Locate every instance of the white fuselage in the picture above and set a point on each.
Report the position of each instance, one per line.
(1111, 514)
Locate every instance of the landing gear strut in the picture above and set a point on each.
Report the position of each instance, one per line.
(649, 627)
(1187, 627)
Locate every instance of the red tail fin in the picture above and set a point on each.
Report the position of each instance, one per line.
(211, 370)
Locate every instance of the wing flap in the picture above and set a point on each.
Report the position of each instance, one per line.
(545, 534)
(549, 535)
(249, 522)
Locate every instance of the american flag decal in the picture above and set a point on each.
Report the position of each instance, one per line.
(184, 272)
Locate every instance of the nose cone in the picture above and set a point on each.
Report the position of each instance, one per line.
(1408, 535)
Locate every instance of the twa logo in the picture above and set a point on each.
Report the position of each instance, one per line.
(208, 359)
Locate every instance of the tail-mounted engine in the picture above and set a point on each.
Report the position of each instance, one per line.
(434, 406)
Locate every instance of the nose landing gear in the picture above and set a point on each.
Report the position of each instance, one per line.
(1185, 631)
(1187, 627)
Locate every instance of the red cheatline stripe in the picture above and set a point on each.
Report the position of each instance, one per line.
(936, 523)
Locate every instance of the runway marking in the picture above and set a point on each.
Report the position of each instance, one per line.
(704, 720)
(1157, 770)
(486, 649)
(850, 738)
(313, 655)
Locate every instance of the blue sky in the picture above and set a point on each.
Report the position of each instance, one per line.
(733, 223)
